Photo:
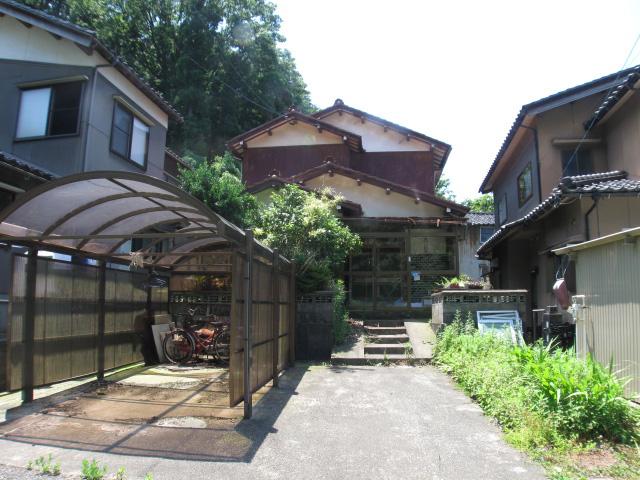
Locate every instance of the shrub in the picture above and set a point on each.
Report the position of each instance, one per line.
(539, 395)
(341, 327)
(93, 470)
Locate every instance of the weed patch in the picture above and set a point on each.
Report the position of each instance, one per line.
(564, 411)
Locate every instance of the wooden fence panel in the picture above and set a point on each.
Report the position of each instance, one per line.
(265, 334)
(66, 320)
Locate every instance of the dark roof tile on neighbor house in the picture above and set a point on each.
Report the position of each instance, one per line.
(597, 184)
(474, 218)
(552, 101)
(18, 163)
(87, 40)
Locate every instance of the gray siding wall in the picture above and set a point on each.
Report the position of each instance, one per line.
(62, 155)
(609, 277)
(99, 156)
(508, 183)
(66, 155)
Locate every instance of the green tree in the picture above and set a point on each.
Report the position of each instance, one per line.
(217, 183)
(304, 227)
(481, 204)
(443, 189)
(219, 62)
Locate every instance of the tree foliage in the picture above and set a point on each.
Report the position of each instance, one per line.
(304, 227)
(217, 183)
(481, 204)
(217, 61)
(443, 189)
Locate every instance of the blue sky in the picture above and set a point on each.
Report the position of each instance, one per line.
(457, 71)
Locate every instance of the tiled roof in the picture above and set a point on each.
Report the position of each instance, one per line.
(96, 44)
(474, 218)
(526, 109)
(14, 161)
(607, 183)
(627, 83)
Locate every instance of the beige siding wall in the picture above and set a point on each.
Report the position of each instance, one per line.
(609, 277)
(623, 137)
(564, 122)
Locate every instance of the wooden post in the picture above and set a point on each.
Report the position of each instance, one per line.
(292, 316)
(102, 300)
(276, 314)
(29, 326)
(248, 320)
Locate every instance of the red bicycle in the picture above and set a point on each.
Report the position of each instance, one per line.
(181, 344)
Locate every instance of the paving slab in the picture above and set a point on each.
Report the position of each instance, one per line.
(322, 423)
(422, 338)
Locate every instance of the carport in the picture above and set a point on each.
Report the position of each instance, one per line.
(69, 319)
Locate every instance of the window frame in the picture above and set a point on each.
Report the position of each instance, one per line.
(522, 201)
(502, 202)
(486, 227)
(50, 85)
(582, 155)
(119, 104)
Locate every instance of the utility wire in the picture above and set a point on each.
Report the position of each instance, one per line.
(236, 91)
(591, 124)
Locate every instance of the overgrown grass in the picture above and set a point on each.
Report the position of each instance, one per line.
(341, 327)
(548, 402)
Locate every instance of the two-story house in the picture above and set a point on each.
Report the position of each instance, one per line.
(567, 172)
(386, 175)
(68, 105)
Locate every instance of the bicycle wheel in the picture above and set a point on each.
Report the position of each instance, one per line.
(222, 346)
(178, 346)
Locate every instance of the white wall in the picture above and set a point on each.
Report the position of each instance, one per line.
(374, 200)
(374, 138)
(287, 135)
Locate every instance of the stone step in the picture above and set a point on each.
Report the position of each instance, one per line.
(400, 338)
(382, 348)
(383, 323)
(385, 330)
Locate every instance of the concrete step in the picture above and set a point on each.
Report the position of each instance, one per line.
(383, 323)
(374, 330)
(382, 348)
(400, 338)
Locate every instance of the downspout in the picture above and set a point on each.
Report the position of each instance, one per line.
(587, 235)
(537, 152)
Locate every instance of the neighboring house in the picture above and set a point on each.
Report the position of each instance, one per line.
(69, 105)
(387, 175)
(568, 172)
(479, 228)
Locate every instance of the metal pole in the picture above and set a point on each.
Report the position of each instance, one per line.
(102, 300)
(292, 316)
(276, 314)
(248, 320)
(29, 326)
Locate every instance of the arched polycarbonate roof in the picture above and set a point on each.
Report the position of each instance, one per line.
(95, 213)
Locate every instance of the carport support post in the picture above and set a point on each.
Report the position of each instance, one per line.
(29, 325)
(248, 313)
(276, 314)
(292, 310)
(102, 299)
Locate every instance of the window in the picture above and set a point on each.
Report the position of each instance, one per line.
(525, 185)
(485, 233)
(129, 136)
(502, 210)
(49, 111)
(578, 164)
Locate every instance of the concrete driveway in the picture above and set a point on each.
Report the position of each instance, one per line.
(325, 423)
